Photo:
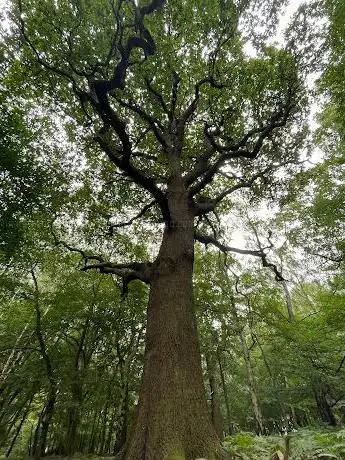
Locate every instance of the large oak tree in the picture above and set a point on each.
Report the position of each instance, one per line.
(186, 119)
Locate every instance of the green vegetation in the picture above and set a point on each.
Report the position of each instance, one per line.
(304, 444)
(172, 230)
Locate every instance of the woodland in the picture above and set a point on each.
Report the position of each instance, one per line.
(172, 229)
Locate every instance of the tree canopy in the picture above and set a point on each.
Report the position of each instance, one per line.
(172, 229)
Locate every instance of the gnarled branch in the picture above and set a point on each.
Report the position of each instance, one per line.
(122, 161)
(204, 173)
(206, 239)
(127, 271)
(189, 111)
(154, 124)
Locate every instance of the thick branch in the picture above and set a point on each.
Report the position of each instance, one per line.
(194, 104)
(122, 162)
(205, 172)
(82, 253)
(127, 271)
(153, 122)
(206, 239)
(144, 41)
(204, 208)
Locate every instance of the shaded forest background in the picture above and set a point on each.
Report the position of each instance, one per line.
(269, 295)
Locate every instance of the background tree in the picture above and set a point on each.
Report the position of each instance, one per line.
(179, 146)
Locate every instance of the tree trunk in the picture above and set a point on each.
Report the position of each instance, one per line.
(216, 414)
(250, 375)
(73, 422)
(43, 425)
(47, 412)
(225, 393)
(324, 408)
(103, 428)
(251, 385)
(72, 431)
(20, 426)
(121, 432)
(289, 304)
(172, 419)
(94, 431)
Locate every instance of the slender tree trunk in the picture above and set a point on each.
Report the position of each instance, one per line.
(20, 425)
(9, 363)
(77, 393)
(107, 446)
(31, 441)
(94, 432)
(216, 414)
(324, 409)
(103, 429)
(72, 431)
(225, 392)
(7, 398)
(124, 368)
(12, 420)
(43, 425)
(250, 375)
(251, 385)
(288, 299)
(172, 418)
(72, 436)
(121, 434)
(46, 415)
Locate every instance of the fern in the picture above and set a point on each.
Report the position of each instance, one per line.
(306, 444)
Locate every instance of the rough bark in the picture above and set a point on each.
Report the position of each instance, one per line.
(172, 419)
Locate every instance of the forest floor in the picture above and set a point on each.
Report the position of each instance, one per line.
(304, 444)
(313, 443)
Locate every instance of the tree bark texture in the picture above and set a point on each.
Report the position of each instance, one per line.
(172, 420)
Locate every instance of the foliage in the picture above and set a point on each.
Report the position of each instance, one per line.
(306, 444)
(71, 339)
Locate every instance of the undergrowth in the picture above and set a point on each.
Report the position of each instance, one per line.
(305, 444)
